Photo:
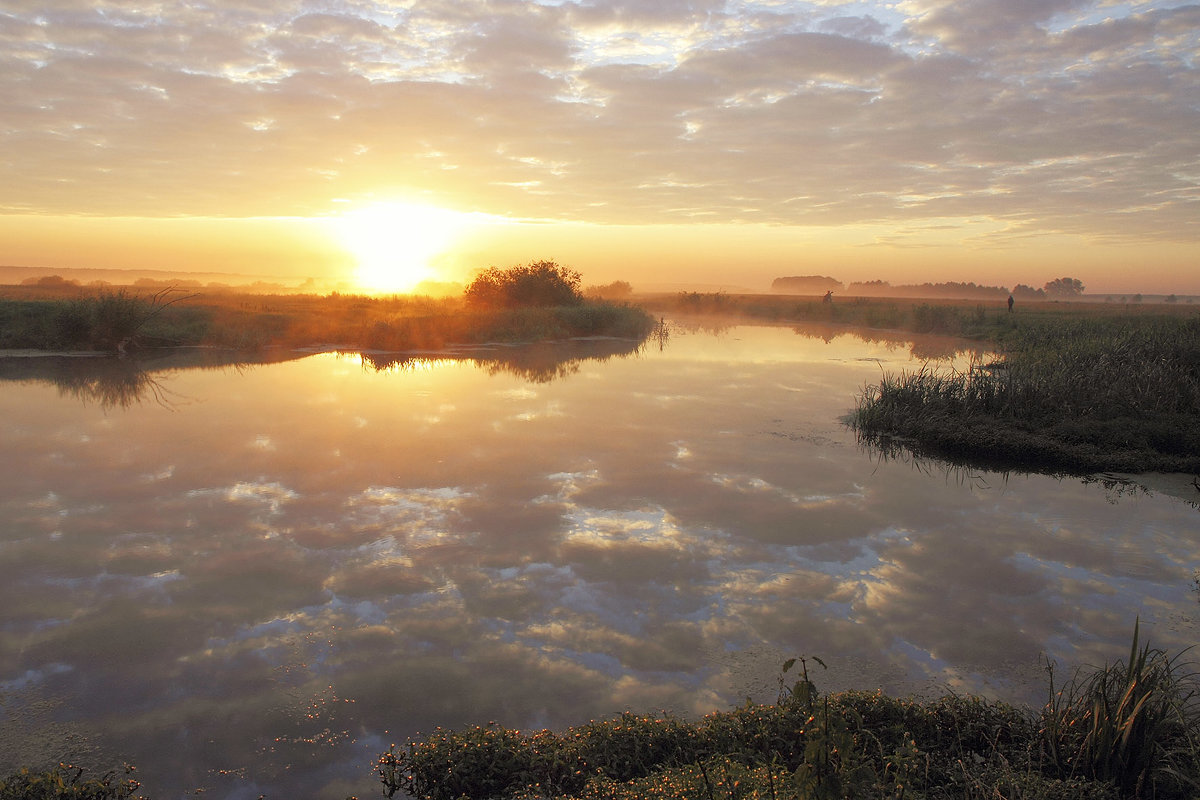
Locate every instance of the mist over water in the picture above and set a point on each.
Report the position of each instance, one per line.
(253, 579)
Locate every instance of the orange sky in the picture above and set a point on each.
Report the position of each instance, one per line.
(720, 143)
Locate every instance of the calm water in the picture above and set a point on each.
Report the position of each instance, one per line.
(251, 580)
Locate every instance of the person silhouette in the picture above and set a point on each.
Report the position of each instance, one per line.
(1010, 303)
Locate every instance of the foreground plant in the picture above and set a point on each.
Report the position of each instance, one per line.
(66, 782)
(1135, 724)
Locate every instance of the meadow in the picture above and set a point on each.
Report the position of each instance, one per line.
(1066, 394)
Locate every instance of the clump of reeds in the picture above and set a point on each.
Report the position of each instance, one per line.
(1134, 724)
(1068, 395)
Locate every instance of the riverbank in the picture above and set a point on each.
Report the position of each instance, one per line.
(1079, 388)
(123, 320)
(1125, 730)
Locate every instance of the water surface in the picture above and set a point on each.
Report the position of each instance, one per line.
(252, 579)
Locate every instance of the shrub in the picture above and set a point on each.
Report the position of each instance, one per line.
(540, 283)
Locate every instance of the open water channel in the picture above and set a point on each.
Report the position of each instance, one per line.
(252, 579)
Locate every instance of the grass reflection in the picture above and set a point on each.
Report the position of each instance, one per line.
(106, 382)
(112, 382)
(542, 362)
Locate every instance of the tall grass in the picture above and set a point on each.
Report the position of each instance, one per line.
(66, 782)
(1134, 724)
(105, 321)
(1069, 394)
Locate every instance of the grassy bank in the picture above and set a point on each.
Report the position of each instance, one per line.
(1076, 395)
(1127, 730)
(112, 320)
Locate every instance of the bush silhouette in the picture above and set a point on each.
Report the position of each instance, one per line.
(540, 283)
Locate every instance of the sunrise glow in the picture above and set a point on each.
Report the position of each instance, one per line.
(395, 244)
(991, 142)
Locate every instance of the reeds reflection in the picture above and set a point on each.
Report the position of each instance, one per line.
(539, 362)
(106, 382)
(111, 382)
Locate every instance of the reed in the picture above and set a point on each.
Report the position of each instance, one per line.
(1134, 724)
(1073, 395)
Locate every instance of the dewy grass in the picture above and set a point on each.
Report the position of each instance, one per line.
(66, 782)
(1124, 731)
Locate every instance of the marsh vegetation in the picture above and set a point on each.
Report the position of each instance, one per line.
(304, 555)
(1078, 395)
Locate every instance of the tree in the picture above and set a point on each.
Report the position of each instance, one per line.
(617, 290)
(50, 282)
(540, 283)
(1064, 287)
(1028, 292)
(806, 284)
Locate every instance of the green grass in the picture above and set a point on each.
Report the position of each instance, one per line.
(1075, 395)
(1131, 724)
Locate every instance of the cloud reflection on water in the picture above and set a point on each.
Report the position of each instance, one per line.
(445, 546)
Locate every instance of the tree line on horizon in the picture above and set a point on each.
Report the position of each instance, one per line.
(819, 284)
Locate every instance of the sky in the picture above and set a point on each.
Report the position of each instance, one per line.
(702, 142)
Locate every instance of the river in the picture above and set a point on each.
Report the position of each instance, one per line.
(252, 578)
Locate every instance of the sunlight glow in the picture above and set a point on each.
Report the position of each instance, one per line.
(395, 243)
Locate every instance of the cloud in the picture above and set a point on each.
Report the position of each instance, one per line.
(1060, 116)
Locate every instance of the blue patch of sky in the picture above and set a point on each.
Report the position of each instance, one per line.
(1100, 12)
(666, 45)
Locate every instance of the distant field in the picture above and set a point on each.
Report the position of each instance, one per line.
(986, 320)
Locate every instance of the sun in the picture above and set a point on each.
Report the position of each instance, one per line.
(394, 243)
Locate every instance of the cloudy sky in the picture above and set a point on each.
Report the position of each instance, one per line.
(999, 141)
